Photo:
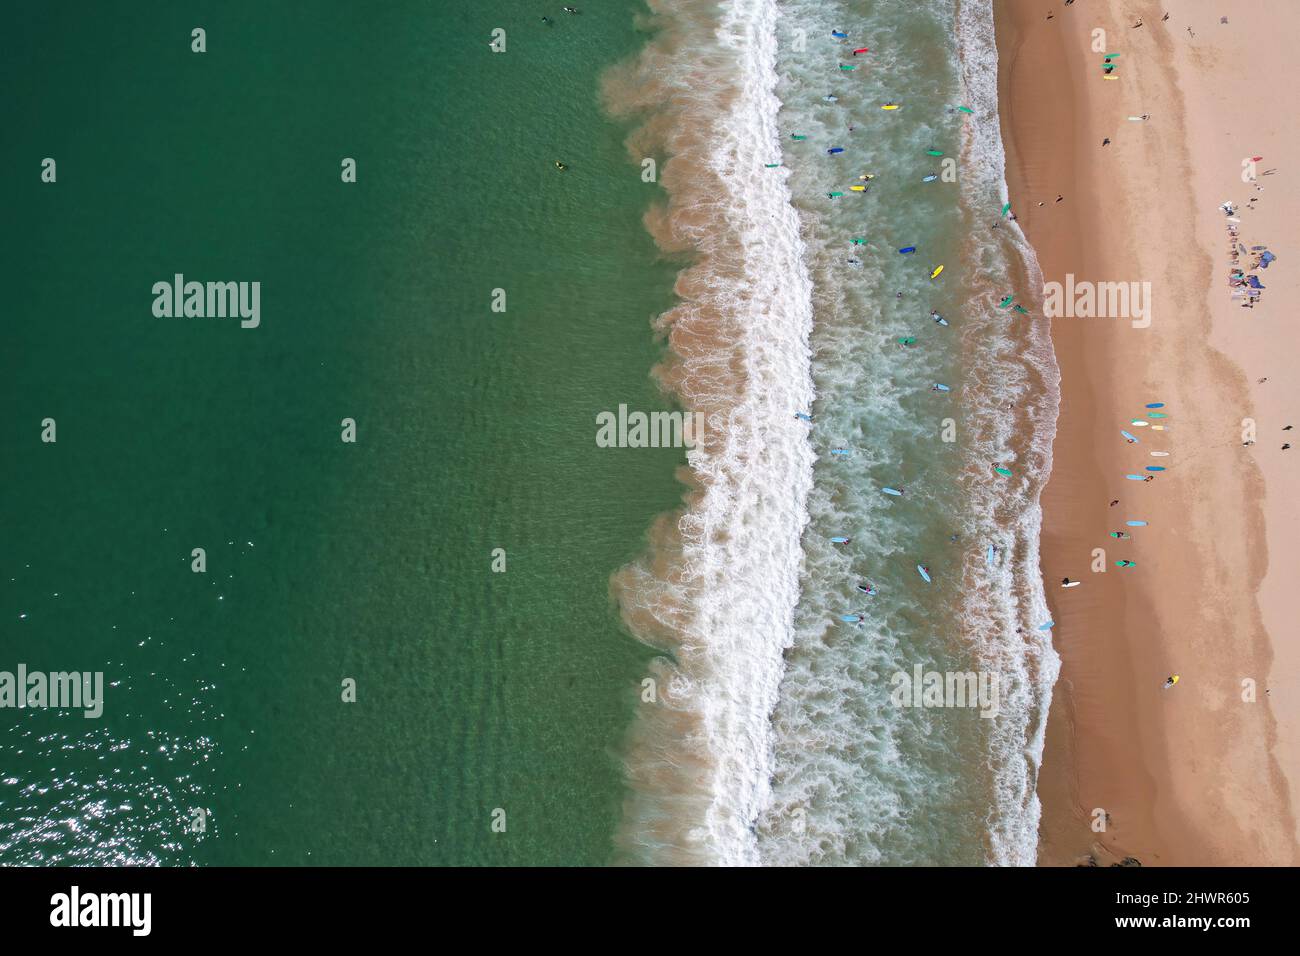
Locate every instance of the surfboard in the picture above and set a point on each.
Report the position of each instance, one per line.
(924, 573)
(839, 540)
(862, 49)
(835, 149)
(1003, 471)
(851, 618)
(1006, 302)
(941, 320)
(1047, 627)
(847, 66)
(838, 35)
(1157, 415)
(891, 491)
(1136, 524)
(839, 451)
(939, 386)
(966, 109)
(934, 152)
(1127, 435)
(1160, 454)
(1005, 208)
(990, 554)
(1155, 468)
(936, 272)
(931, 178)
(1021, 309)
(891, 106)
(771, 165)
(1110, 76)
(1139, 423)
(1157, 428)
(906, 249)
(858, 241)
(834, 195)
(1155, 405)
(1125, 563)
(1072, 584)
(1136, 477)
(858, 189)
(797, 138)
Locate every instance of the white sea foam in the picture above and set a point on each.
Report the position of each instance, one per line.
(856, 779)
(699, 761)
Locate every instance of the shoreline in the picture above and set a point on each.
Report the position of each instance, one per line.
(1189, 776)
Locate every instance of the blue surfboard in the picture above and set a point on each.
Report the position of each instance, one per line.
(1136, 524)
(925, 574)
(891, 491)
(906, 249)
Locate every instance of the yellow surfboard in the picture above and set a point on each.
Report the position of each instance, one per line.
(858, 189)
(891, 106)
(935, 273)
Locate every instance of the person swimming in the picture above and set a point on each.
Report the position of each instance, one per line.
(560, 166)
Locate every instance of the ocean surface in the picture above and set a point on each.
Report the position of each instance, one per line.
(664, 672)
(475, 431)
(779, 742)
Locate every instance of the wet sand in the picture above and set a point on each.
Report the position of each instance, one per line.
(1199, 774)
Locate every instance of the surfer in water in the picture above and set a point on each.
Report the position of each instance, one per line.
(571, 10)
(867, 588)
(560, 166)
(1064, 581)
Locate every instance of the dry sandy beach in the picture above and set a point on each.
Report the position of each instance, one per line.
(1202, 773)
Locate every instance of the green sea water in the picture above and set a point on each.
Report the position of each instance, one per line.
(325, 560)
